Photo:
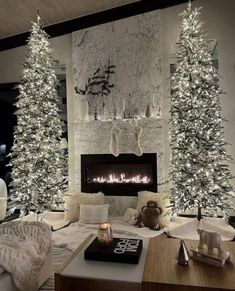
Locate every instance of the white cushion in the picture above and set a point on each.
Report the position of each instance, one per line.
(73, 199)
(162, 200)
(71, 211)
(94, 213)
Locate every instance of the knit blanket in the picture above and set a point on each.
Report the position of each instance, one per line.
(24, 246)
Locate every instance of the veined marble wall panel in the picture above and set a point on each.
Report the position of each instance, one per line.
(133, 45)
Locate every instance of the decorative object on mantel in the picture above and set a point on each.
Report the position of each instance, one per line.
(115, 132)
(83, 109)
(200, 174)
(105, 234)
(213, 241)
(96, 116)
(148, 111)
(137, 134)
(126, 108)
(98, 85)
(182, 255)
(3, 199)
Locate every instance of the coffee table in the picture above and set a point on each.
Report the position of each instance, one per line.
(80, 274)
(160, 272)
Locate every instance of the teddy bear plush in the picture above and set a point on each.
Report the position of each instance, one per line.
(149, 215)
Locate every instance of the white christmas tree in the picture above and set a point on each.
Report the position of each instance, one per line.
(199, 172)
(36, 157)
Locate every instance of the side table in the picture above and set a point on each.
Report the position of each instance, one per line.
(163, 273)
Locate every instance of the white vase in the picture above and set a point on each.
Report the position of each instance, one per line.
(3, 199)
(83, 110)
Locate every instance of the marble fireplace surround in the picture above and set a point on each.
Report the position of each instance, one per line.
(134, 46)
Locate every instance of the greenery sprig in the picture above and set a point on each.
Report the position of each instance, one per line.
(99, 84)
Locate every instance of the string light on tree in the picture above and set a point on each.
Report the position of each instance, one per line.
(37, 158)
(199, 172)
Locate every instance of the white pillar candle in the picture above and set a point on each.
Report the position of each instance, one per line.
(83, 110)
(123, 104)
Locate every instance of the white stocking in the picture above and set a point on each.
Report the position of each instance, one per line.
(137, 134)
(115, 132)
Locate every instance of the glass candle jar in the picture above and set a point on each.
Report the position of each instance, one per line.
(105, 234)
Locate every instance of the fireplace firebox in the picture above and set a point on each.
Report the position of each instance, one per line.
(124, 175)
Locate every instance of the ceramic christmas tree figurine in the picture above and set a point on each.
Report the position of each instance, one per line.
(182, 256)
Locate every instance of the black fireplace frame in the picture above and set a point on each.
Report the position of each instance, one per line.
(118, 189)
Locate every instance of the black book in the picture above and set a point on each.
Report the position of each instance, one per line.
(121, 250)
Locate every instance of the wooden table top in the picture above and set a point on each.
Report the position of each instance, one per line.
(161, 268)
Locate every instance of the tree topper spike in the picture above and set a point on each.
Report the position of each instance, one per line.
(38, 17)
(189, 5)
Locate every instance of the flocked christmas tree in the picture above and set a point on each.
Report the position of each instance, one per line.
(36, 157)
(199, 171)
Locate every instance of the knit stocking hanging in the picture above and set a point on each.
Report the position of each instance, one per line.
(115, 132)
(137, 134)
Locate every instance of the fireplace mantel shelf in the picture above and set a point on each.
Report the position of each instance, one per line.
(120, 120)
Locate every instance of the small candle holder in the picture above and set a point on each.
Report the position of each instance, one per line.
(105, 234)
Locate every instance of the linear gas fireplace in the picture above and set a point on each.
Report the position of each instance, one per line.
(124, 175)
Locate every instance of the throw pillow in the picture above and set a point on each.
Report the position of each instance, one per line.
(73, 199)
(94, 213)
(90, 199)
(71, 212)
(131, 216)
(162, 200)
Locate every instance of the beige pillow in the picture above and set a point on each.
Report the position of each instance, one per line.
(71, 212)
(90, 199)
(94, 213)
(73, 199)
(162, 200)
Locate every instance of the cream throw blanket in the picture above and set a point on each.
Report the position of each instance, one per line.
(24, 246)
(186, 228)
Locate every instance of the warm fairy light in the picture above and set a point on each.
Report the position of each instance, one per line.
(121, 179)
